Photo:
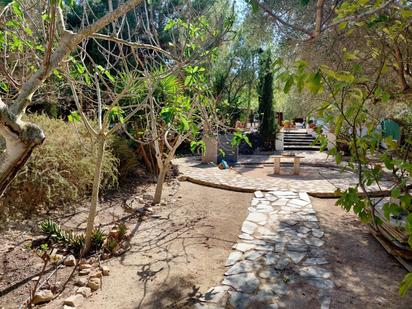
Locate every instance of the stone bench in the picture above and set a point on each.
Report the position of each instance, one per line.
(296, 163)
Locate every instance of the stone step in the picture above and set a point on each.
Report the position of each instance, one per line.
(297, 147)
(298, 139)
(300, 144)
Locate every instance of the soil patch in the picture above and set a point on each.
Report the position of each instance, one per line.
(364, 274)
(178, 255)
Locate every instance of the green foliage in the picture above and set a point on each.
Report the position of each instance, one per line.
(58, 235)
(60, 171)
(265, 91)
(97, 238)
(122, 229)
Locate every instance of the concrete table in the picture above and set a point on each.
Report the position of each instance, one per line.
(296, 163)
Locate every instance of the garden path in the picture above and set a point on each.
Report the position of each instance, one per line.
(278, 261)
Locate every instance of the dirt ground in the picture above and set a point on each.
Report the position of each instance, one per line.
(177, 256)
(364, 274)
(179, 252)
(176, 253)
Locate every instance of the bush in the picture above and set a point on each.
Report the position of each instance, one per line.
(61, 170)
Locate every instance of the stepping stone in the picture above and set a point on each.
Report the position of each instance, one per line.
(233, 258)
(241, 267)
(298, 246)
(277, 288)
(246, 282)
(314, 242)
(282, 264)
(240, 300)
(244, 246)
(296, 257)
(303, 230)
(317, 233)
(315, 261)
(249, 227)
(259, 194)
(314, 272)
(245, 237)
(257, 217)
(253, 255)
(321, 283)
(269, 273)
(304, 196)
(271, 259)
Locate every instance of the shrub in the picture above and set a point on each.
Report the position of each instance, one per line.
(124, 150)
(60, 171)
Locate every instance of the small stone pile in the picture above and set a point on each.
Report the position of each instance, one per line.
(89, 280)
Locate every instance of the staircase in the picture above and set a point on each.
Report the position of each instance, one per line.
(299, 140)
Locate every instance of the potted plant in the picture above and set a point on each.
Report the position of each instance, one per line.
(286, 124)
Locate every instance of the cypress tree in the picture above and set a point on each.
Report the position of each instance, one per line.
(267, 127)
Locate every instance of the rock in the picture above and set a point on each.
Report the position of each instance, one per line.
(96, 274)
(85, 266)
(244, 246)
(257, 217)
(297, 245)
(240, 300)
(94, 284)
(304, 196)
(84, 272)
(42, 296)
(240, 267)
(314, 242)
(259, 194)
(70, 260)
(245, 237)
(215, 294)
(105, 270)
(74, 300)
(314, 272)
(233, 258)
(303, 230)
(296, 257)
(282, 263)
(315, 261)
(248, 227)
(253, 255)
(85, 291)
(81, 282)
(318, 233)
(246, 282)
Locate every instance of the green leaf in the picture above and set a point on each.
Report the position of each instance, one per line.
(314, 82)
(4, 86)
(288, 84)
(16, 9)
(405, 285)
(74, 117)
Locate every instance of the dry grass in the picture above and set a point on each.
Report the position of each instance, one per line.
(60, 171)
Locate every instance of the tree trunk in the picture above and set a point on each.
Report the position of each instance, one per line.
(159, 186)
(20, 139)
(101, 142)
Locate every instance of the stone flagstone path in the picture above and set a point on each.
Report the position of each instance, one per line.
(325, 184)
(278, 261)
